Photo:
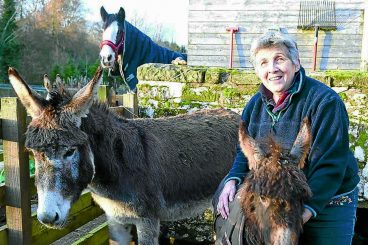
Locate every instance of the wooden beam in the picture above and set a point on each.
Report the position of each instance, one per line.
(103, 93)
(4, 235)
(32, 190)
(99, 235)
(47, 236)
(16, 166)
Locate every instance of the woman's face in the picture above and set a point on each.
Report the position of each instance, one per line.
(275, 69)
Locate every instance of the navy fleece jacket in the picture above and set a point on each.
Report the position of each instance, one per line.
(331, 168)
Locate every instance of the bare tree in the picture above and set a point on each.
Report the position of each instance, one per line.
(55, 34)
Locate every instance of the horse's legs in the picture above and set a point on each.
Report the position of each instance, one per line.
(120, 233)
(148, 230)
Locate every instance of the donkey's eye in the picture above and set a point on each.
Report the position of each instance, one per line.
(69, 153)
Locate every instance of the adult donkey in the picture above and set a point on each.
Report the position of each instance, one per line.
(272, 195)
(124, 48)
(139, 171)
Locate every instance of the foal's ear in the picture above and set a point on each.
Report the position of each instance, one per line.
(31, 100)
(121, 14)
(103, 13)
(302, 143)
(82, 100)
(58, 81)
(249, 147)
(60, 85)
(47, 83)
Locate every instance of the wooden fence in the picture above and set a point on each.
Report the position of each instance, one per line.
(22, 226)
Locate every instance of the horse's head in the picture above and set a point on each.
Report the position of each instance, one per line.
(276, 188)
(112, 38)
(64, 160)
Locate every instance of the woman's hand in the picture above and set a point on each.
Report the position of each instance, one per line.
(307, 214)
(227, 195)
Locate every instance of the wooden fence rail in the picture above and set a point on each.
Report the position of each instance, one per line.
(22, 227)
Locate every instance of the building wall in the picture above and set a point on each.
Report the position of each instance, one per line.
(209, 42)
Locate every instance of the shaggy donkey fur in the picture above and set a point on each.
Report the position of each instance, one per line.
(139, 171)
(275, 189)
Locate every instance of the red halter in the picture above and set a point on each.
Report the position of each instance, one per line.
(113, 46)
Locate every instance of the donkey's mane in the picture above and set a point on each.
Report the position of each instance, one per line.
(57, 100)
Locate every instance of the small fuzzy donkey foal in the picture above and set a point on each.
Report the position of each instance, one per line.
(273, 192)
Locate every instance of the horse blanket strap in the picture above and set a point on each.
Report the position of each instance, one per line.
(230, 231)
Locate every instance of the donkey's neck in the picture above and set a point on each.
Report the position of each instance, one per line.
(110, 137)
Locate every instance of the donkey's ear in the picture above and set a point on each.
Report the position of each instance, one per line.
(47, 83)
(82, 100)
(58, 80)
(59, 84)
(103, 13)
(249, 147)
(302, 143)
(31, 100)
(121, 14)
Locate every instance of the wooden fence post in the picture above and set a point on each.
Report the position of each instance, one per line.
(16, 166)
(107, 94)
(130, 103)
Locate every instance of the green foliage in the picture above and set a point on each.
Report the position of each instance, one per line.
(55, 70)
(70, 70)
(230, 92)
(2, 176)
(9, 46)
(172, 46)
(206, 95)
(31, 171)
(74, 70)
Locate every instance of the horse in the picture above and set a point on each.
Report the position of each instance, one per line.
(124, 48)
(272, 196)
(140, 171)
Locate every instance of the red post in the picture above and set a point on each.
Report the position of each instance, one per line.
(315, 47)
(232, 30)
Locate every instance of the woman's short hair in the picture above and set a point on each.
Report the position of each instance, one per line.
(272, 39)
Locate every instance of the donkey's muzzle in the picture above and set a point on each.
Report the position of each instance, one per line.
(51, 219)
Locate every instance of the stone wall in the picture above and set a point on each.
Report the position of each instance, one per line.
(166, 90)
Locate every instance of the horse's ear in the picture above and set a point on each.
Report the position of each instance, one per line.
(47, 83)
(103, 13)
(81, 102)
(302, 143)
(60, 86)
(58, 80)
(31, 100)
(249, 147)
(121, 14)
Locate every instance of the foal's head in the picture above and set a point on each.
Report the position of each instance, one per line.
(273, 193)
(112, 38)
(64, 161)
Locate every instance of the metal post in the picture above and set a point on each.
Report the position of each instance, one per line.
(232, 30)
(315, 47)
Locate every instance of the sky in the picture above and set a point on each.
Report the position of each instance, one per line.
(172, 14)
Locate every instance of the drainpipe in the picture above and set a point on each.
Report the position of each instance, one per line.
(232, 30)
(315, 48)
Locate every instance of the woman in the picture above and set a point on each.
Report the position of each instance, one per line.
(285, 97)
